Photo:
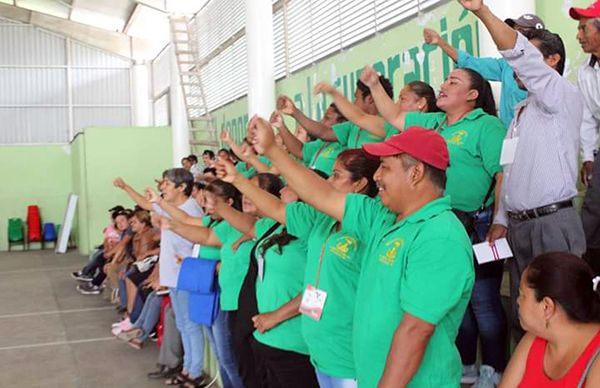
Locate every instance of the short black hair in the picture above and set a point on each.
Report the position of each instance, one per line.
(387, 86)
(193, 158)
(436, 176)
(209, 153)
(181, 176)
(550, 44)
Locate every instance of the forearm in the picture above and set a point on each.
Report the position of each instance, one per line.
(390, 111)
(497, 192)
(196, 234)
(371, 123)
(240, 221)
(314, 128)
(261, 167)
(292, 143)
(309, 186)
(289, 310)
(137, 198)
(405, 355)
(449, 50)
(178, 214)
(268, 204)
(503, 35)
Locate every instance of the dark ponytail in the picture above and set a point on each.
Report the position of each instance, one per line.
(424, 90)
(567, 280)
(485, 100)
(226, 191)
(360, 165)
(270, 183)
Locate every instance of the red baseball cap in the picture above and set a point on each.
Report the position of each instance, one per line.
(591, 12)
(423, 144)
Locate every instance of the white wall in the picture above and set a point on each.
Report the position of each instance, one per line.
(52, 87)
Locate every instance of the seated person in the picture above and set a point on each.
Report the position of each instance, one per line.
(559, 307)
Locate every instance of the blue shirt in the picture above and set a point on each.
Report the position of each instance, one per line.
(497, 69)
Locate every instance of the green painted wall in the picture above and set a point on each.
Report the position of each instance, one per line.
(138, 155)
(45, 175)
(400, 54)
(33, 175)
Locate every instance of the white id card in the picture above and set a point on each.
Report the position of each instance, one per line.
(313, 301)
(261, 267)
(509, 148)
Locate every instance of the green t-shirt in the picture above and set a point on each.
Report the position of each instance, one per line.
(283, 280)
(474, 144)
(329, 340)
(208, 252)
(321, 155)
(422, 265)
(350, 135)
(234, 265)
(247, 170)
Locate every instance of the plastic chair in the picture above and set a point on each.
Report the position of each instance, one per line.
(16, 234)
(49, 234)
(34, 225)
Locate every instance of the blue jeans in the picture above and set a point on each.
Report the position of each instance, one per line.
(96, 262)
(326, 381)
(191, 333)
(149, 316)
(221, 340)
(485, 319)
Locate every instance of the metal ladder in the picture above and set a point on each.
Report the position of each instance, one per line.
(201, 123)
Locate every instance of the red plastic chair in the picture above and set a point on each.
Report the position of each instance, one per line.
(34, 224)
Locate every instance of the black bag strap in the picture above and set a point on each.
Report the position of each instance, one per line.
(487, 195)
(247, 304)
(262, 237)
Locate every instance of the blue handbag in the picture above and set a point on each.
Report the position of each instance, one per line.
(197, 275)
(203, 308)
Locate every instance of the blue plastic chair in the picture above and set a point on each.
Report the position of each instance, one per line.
(49, 233)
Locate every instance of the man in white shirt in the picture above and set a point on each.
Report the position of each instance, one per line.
(588, 79)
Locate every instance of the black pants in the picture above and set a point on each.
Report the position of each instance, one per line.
(249, 364)
(95, 264)
(285, 369)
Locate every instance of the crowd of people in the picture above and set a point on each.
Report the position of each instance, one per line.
(341, 251)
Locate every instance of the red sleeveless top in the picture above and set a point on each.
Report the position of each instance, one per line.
(534, 370)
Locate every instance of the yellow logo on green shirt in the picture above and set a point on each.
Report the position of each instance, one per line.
(390, 256)
(327, 151)
(343, 246)
(458, 137)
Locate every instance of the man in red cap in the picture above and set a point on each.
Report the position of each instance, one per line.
(404, 329)
(588, 80)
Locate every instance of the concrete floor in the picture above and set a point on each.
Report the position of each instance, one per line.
(52, 336)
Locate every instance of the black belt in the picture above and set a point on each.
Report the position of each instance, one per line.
(541, 211)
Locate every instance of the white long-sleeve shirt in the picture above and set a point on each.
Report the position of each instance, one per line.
(588, 80)
(544, 170)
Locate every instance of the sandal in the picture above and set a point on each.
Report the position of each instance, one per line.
(178, 379)
(198, 382)
(135, 343)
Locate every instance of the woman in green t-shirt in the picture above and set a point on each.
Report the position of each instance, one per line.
(235, 250)
(333, 266)
(278, 262)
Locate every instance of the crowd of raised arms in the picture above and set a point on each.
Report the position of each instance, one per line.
(339, 253)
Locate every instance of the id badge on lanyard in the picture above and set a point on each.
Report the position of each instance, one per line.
(313, 302)
(313, 299)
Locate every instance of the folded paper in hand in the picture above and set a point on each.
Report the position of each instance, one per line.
(485, 253)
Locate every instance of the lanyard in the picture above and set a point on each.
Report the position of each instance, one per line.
(321, 149)
(516, 121)
(357, 138)
(323, 254)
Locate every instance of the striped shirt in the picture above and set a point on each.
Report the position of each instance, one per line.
(547, 123)
(588, 80)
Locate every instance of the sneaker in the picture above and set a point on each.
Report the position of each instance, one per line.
(89, 289)
(153, 336)
(78, 275)
(488, 377)
(469, 375)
